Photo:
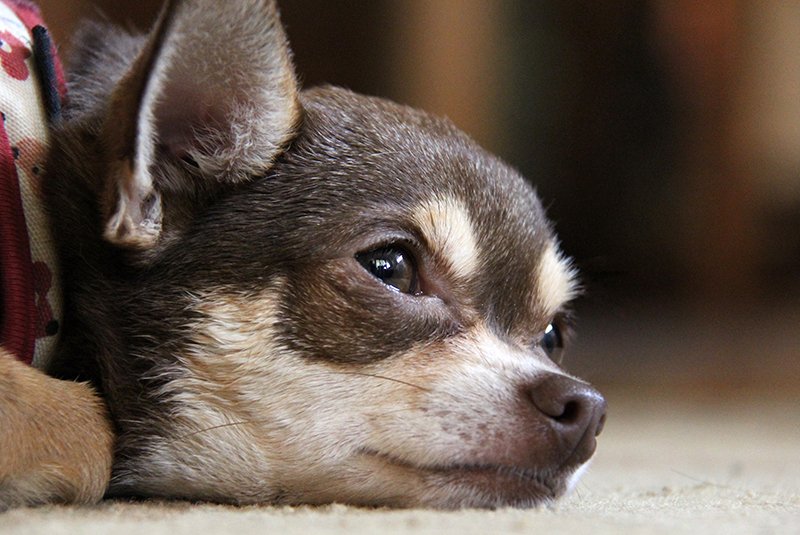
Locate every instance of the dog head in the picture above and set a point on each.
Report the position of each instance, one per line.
(306, 297)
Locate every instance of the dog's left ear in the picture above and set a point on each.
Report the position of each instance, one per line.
(214, 87)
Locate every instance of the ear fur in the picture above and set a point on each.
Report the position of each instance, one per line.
(212, 91)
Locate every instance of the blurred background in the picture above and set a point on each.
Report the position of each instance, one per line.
(662, 135)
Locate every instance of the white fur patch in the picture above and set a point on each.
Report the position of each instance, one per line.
(555, 281)
(446, 225)
(576, 476)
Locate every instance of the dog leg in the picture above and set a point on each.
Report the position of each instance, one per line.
(56, 442)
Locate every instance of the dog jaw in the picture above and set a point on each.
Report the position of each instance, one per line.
(440, 425)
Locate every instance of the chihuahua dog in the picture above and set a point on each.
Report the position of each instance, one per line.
(285, 296)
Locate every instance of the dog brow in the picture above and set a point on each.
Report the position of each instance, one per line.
(556, 281)
(447, 227)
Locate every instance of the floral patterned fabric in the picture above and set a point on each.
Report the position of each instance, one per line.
(30, 300)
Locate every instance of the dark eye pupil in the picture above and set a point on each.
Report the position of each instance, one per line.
(552, 343)
(383, 268)
(392, 265)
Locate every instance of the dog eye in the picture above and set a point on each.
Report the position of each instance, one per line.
(553, 342)
(394, 266)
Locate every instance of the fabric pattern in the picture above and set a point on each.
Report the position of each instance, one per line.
(30, 298)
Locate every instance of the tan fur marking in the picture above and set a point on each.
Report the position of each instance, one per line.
(446, 225)
(56, 442)
(555, 282)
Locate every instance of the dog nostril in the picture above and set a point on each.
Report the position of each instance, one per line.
(570, 413)
(569, 404)
(574, 414)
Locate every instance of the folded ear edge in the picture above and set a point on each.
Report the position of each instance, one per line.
(132, 207)
(135, 218)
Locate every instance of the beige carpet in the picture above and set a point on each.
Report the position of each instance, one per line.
(663, 466)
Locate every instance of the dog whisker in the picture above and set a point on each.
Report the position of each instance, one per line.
(213, 428)
(384, 377)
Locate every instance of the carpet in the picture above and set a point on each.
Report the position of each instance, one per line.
(665, 464)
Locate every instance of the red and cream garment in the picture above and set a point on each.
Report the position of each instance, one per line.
(30, 82)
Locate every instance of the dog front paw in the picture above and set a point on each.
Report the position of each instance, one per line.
(56, 440)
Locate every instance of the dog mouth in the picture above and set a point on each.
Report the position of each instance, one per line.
(483, 485)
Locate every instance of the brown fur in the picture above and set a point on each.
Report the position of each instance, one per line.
(55, 437)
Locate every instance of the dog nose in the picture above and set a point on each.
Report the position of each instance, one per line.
(575, 411)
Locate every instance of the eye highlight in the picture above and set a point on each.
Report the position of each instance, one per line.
(394, 266)
(553, 342)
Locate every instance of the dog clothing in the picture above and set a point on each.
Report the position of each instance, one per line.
(31, 89)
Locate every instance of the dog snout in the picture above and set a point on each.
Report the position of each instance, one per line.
(574, 411)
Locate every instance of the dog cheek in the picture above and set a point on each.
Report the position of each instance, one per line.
(422, 420)
(339, 314)
(298, 426)
(249, 420)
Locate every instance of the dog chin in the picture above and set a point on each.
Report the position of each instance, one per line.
(464, 485)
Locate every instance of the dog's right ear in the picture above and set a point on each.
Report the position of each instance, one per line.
(213, 87)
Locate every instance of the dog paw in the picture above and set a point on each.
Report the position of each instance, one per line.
(56, 442)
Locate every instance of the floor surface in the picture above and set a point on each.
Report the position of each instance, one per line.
(664, 465)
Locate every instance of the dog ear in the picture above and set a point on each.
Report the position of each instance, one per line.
(213, 91)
